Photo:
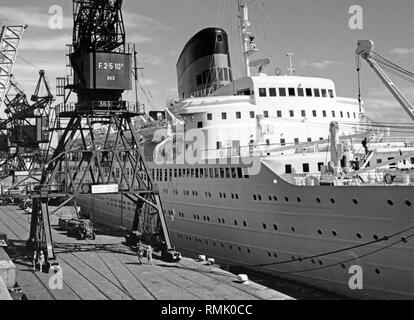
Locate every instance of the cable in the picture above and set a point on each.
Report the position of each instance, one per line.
(28, 62)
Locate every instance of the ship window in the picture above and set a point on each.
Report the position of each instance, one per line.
(324, 113)
(222, 173)
(306, 167)
(291, 92)
(224, 115)
(279, 113)
(251, 114)
(199, 80)
(264, 226)
(380, 160)
(272, 92)
(219, 37)
(218, 145)
(227, 173)
(316, 92)
(239, 173)
(266, 114)
(192, 173)
(175, 173)
(230, 75)
(303, 112)
(331, 94)
(308, 92)
(204, 77)
(291, 113)
(333, 114)
(233, 173)
(226, 75)
(282, 142)
(288, 168)
(216, 173)
(220, 74)
(282, 92)
(296, 140)
(348, 115)
(262, 92)
(300, 92)
(209, 116)
(354, 116)
(199, 124)
(238, 115)
(324, 93)
(196, 172)
(320, 164)
(208, 76)
(309, 139)
(210, 170)
(268, 142)
(341, 114)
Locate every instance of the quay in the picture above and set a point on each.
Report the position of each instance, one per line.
(106, 269)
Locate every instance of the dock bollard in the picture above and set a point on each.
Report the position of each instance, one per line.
(201, 258)
(211, 260)
(243, 278)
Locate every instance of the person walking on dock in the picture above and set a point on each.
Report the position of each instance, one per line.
(41, 260)
(34, 259)
(149, 254)
(140, 252)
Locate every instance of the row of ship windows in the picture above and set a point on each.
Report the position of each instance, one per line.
(213, 173)
(213, 75)
(207, 194)
(258, 197)
(280, 115)
(299, 92)
(269, 254)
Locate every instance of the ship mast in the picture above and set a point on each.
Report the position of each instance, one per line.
(247, 38)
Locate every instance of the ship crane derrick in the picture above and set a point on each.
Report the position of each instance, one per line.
(85, 164)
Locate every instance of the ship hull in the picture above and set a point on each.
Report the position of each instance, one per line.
(319, 235)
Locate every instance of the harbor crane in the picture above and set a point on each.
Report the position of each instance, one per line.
(84, 164)
(10, 37)
(365, 50)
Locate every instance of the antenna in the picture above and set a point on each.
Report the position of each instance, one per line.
(291, 69)
(247, 37)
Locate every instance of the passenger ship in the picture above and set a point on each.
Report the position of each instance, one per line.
(269, 173)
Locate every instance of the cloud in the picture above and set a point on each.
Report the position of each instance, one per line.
(57, 43)
(402, 51)
(381, 105)
(317, 65)
(134, 20)
(29, 15)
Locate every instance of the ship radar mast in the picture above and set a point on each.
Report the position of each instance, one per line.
(247, 37)
(291, 69)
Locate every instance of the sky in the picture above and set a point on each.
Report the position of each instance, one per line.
(316, 30)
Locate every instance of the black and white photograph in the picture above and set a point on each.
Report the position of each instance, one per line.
(206, 155)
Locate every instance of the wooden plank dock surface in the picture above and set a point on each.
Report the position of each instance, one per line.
(106, 269)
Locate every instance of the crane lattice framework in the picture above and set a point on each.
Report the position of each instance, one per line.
(24, 134)
(84, 162)
(10, 38)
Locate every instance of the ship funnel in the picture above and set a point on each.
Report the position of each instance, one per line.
(204, 64)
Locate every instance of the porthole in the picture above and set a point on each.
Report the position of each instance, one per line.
(293, 229)
(318, 200)
(239, 249)
(313, 261)
(269, 254)
(275, 227)
(358, 235)
(299, 199)
(275, 255)
(390, 202)
(355, 201)
(264, 226)
(375, 237)
(231, 247)
(334, 233)
(214, 244)
(286, 199)
(320, 262)
(235, 222)
(259, 197)
(222, 245)
(408, 203)
(332, 200)
(377, 271)
(248, 250)
(254, 197)
(274, 198)
(270, 198)
(319, 231)
(244, 223)
(343, 266)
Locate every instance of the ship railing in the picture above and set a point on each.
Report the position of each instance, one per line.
(94, 106)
